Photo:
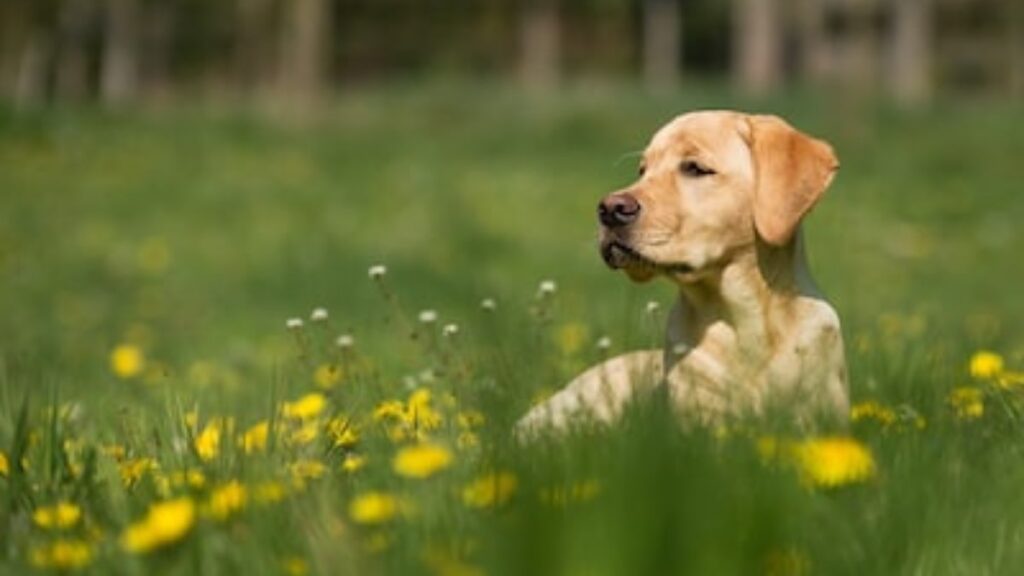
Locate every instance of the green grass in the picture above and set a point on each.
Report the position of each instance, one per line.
(194, 234)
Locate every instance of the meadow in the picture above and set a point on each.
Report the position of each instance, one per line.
(235, 345)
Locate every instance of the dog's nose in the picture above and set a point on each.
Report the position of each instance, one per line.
(618, 209)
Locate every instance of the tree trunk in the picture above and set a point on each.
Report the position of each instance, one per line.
(119, 69)
(252, 61)
(662, 32)
(304, 50)
(33, 68)
(75, 21)
(815, 51)
(910, 45)
(757, 45)
(540, 64)
(1015, 60)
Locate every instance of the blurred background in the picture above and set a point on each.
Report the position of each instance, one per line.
(121, 52)
(184, 175)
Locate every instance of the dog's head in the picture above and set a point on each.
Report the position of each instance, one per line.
(710, 183)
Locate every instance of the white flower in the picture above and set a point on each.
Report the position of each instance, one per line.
(653, 307)
(450, 329)
(426, 376)
(377, 271)
(318, 315)
(294, 323)
(345, 341)
(428, 316)
(680, 349)
(488, 304)
(547, 287)
(604, 343)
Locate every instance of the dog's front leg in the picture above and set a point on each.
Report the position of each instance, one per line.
(599, 393)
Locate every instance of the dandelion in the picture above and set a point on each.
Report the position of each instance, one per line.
(345, 341)
(986, 364)
(490, 490)
(422, 460)
(327, 376)
(428, 316)
(342, 432)
(872, 410)
(469, 419)
(294, 566)
(306, 407)
(377, 271)
(268, 492)
(133, 470)
(834, 461)
(489, 304)
(165, 523)
(127, 361)
(604, 343)
(207, 442)
(373, 508)
(60, 515)
(61, 555)
(318, 315)
(5, 467)
(255, 438)
(547, 288)
(967, 402)
(450, 330)
(304, 434)
(307, 469)
(353, 463)
(294, 323)
(227, 500)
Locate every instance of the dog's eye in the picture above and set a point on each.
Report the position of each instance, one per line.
(694, 168)
(641, 170)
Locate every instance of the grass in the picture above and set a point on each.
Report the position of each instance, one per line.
(191, 235)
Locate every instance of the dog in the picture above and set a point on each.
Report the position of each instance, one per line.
(716, 210)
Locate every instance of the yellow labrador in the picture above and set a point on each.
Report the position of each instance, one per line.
(716, 210)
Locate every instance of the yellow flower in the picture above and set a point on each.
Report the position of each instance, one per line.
(207, 443)
(304, 434)
(490, 490)
(420, 412)
(307, 470)
(309, 406)
(60, 515)
(132, 470)
(255, 438)
(268, 492)
(373, 508)
(834, 461)
(127, 361)
(5, 467)
(872, 410)
(166, 523)
(570, 338)
(422, 460)
(353, 463)
(390, 409)
(467, 440)
(342, 432)
(327, 376)
(294, 566)
(227, 499)
(470, 419)
(61, 555)
(986, 364)
(967, 402)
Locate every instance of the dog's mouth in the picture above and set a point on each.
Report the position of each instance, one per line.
(617, 255)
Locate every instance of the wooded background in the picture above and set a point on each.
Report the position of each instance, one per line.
(121, 52)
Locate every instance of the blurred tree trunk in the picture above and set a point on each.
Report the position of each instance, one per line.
(119, 69)
(757, 45)
(1016, 48)
(75, 23)
(251, 57)
(859, 57)
(156, 47)
(911, 47)
(540, 44)
(815, 51)
(303, 60)
(662, 32)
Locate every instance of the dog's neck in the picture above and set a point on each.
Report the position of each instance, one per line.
(750, 299)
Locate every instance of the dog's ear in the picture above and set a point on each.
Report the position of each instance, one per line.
(793, 170)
